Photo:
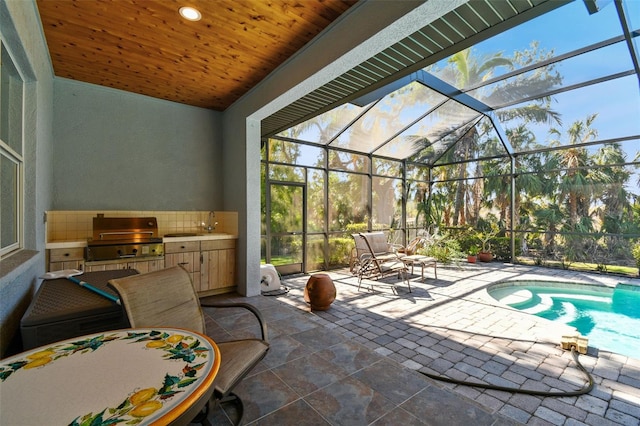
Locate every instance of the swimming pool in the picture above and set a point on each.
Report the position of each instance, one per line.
(609, 317)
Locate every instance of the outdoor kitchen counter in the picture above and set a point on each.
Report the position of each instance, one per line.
(65, 244)
(165, 239)
(170, 238)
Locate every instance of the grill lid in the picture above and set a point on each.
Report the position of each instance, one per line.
(114, 230)
(124, 237)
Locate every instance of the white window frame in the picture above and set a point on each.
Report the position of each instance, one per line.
(15, 157)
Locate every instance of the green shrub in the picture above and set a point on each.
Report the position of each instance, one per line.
(444, 248)
(501, 247)
(352, 228)
(340, 250)
(636, 254)
(467, 239)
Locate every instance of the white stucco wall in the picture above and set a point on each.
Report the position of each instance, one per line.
(133, 152)
(21, 34)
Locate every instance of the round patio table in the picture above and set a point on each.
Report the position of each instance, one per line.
(142, 375)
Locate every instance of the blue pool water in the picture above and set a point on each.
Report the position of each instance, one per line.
(609, 317)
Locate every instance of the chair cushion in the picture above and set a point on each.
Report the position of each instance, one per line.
(236, 359)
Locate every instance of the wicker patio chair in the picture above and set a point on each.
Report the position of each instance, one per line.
(166, 298)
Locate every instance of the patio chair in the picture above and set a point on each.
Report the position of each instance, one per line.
(167, 298)
(378, 244)
(375, 262)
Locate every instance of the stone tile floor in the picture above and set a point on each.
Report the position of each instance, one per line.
(359, 362)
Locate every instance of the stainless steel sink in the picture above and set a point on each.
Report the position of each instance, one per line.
(182, 234)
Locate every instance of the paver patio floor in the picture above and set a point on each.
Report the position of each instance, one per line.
(359, 362)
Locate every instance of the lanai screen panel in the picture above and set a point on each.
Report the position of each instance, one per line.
(614, 104)
(387, 117)
(439, 148)
(323, 128)
(583, 68)
(440, 122)
(480, 141)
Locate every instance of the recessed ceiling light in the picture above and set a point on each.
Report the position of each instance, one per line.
(190, 13)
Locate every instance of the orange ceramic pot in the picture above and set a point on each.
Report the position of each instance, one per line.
(320, 292)
(485, 256)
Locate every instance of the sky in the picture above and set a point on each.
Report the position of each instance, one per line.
(570, 27)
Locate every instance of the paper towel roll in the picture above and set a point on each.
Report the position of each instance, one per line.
(270, 279)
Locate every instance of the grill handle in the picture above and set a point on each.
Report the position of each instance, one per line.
(102, 234)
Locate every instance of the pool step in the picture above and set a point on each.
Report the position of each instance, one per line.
(516, 298)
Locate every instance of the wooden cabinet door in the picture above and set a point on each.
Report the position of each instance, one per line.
(190, 261)
(143, 266)
(218, 269)
(227, 267)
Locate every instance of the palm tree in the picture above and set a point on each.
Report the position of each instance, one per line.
(466, 70)
(576, 187)
(613, 194)
(547, 220)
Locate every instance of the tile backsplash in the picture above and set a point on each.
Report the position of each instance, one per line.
(72, 225)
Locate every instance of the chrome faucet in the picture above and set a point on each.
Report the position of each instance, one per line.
(212, 225)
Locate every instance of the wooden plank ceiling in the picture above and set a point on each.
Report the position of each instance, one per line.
(146, 47)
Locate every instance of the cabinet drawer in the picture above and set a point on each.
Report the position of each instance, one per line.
(67, 254)
(218, 244)
(181, 247)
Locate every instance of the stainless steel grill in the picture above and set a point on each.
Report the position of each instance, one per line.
(124, 237)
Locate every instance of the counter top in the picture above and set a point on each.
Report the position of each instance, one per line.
(65, 244)
(197, 237)
(165, 239)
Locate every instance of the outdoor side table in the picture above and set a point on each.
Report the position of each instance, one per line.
(423, 261)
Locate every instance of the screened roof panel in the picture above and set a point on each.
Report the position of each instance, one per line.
(325, 127)
(440, 122)
(538, 82)
(489, 141)
(436, 150)
(476, 141)
(391, 114)
(615, 102)
(401, 147)
(632, 14)
(555, 76)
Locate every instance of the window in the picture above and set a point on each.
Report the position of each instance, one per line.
(11, 160)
